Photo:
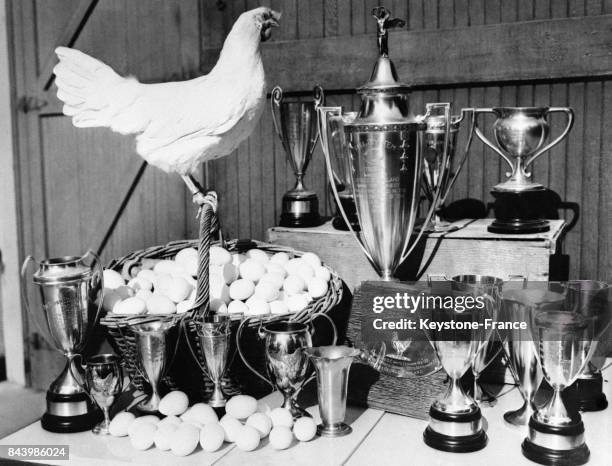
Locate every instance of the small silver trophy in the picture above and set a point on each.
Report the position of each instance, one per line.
(520, 133)
(214, 335)
(295, 122)
(71, 294)
(285, 343)
(153, 351)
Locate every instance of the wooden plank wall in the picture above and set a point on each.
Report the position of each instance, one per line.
(252, 181)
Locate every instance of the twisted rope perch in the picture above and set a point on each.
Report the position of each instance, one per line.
(208, 222)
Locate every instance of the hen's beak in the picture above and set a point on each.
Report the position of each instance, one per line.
(268, 24)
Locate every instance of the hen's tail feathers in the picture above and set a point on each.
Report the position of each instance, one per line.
(94, 95)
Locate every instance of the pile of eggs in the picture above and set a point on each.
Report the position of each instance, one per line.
(245, 423)
(255, 283)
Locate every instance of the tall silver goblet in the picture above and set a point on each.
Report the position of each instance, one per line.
(440, 172)
(103, 381)
(70, 290)
(295, 123)
(285, 343)
(153, 351)
(214, 335)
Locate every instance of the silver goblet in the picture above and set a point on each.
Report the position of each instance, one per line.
(103, 381)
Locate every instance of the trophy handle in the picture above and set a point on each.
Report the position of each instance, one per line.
(483, 138)
(322, 117)
(191, 350)
(97, 278)
(570, 122)
(83, 384)
(276, 97)
(241, 353)
(331, 322)
(464, 112)
(407, 249)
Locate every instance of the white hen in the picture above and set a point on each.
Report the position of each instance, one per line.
(179, 124)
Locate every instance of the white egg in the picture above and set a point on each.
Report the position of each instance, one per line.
(228, 272)
(258, 255)
(160, 304)
(241, 289)
(280, 258)
(219, 289)
(298, 302)
(184, 439)
(140, 283)
(294, 284)
(187, 254)
(161, 281)
(112, 279)
(323, 273)
(202, 413)
(219, 256)
(163, 436)
(189, 265)
(184, 306)
(142, 438)
(281, 417)
(261, 422)
(130, 306)
(277, 269)
(172, 419)
(317, 287)
(176, 288)
(125, 291)
(174, 403)
(304, 429)
(238, 259)
(195, 423)
(305, 271)
(281, 437)
(257, 307)
(110, 300)
(150, 418)
(248, 440)
(143, 294)
(312, 259)
(231, 426)
(211, 437)
(274, 279)
(218, 306)
(252, 270)
(292, 265)
(278, 307)
(266, 291)
(121, 423)
(168, 267)
(147, 274)
(237, 307)
(241, 406)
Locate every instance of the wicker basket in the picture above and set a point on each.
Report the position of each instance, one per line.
(184, 373)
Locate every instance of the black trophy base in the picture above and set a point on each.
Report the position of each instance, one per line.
(570, 434)
(587, 394)
(300, 210)
(456, 443)
(78, 413)
(520, 212)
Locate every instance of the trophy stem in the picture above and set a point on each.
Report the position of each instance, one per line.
(217, 399)
(555, 411)
(290, 404)
(521, 416)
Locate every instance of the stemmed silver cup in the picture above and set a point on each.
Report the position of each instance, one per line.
(214, 335)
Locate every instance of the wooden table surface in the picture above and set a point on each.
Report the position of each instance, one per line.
(377, 438)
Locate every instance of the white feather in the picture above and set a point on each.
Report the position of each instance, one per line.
(178, 125)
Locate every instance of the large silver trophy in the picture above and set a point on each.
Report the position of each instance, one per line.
(71, 298)
(295, 122)
(385, 156)
(520, 133)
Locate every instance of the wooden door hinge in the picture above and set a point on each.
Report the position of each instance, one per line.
(27, 104)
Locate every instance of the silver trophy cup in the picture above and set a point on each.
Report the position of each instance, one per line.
(214, 335)
(71, 298)
(295, 122)
(153, 350)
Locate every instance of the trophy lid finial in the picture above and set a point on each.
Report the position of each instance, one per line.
(384, 75)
